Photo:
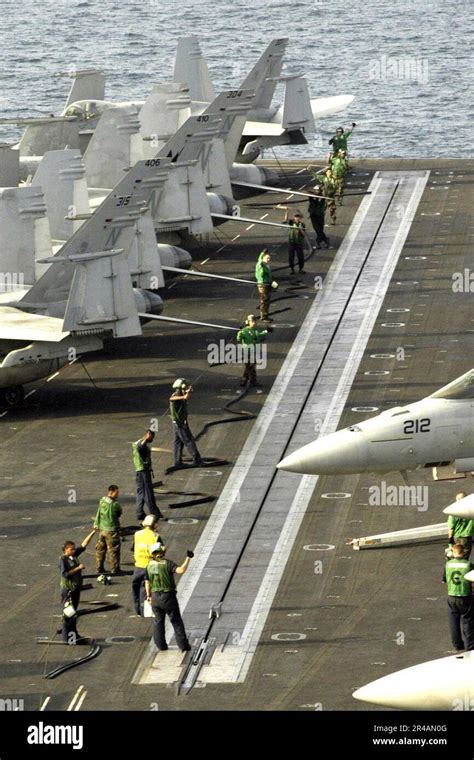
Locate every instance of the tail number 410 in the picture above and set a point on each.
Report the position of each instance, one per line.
(417, 426)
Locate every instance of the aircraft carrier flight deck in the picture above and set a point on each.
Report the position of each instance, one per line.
(284, 613)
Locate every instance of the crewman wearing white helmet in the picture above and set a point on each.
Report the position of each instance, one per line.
(182, 435)
(161, 592)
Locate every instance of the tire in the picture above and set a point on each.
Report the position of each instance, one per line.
(13, 396)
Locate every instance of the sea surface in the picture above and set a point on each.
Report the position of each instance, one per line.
(409, 64)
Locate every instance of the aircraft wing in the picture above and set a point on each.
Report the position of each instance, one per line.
(19, 325)
(262, 129)
(327, 106)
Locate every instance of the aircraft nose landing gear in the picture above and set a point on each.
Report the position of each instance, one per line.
(12, 396)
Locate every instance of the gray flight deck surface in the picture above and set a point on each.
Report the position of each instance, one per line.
(305, 620)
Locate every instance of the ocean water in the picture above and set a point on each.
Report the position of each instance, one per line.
(410, 64)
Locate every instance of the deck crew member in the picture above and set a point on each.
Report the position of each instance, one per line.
(107, 522)
(317, 210)
(182, 435)
(143, 540)
(460, 601)
(339, 141)
(460, 529)
(144, 473)
(265, 283)
(71, 582)
(296, 236)
(249, 337)
(339, 169)
(161, 592)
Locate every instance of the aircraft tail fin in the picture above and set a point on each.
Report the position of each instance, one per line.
(59, 133)
(266, 72)
(163, 112)
(191, 68)
(88, 84)
(144, 260)
(232, 107)
(24, 235)
(9, 166)
(297, 112)
(189, 141)
(101, 295)
(62, 178)
(115, 146)
(111, 225)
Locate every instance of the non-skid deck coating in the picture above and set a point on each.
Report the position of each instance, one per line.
(361, 615)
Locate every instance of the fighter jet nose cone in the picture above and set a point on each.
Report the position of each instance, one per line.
(462, 508)
(437, 685)
(341, 452)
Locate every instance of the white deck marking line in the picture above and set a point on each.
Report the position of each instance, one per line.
(264, 216)
(301, 171)
(79, 704)
(235, 238)
(250, 226)
(43, 706)
(31, 392)
(75, 698)
(206, 260)
(221, 248)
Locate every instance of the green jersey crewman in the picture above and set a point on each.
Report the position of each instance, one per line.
(265, 283)
(339, 141)
(296, 237)
(317, 210)
(143, 475)
(71, 583)
(160, 590)
(460, 602)
(460, 529)
(182, 435)
(249, 337)
(107, 522)
(339, 169)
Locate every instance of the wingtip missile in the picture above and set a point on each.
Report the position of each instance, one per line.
(443, 684)
(463, 508)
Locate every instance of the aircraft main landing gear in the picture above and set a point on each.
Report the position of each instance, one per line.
(12, 396)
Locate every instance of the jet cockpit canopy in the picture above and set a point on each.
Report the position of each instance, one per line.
(462, 388)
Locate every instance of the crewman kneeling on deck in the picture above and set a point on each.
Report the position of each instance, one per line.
(265, 283)
(249, 337)
(161, 592)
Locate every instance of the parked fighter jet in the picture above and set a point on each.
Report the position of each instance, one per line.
(85, 295)
(435, 431)
(444, 684)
